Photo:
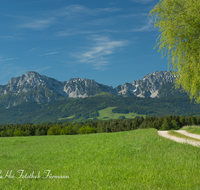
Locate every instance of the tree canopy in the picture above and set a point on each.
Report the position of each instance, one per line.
(179, 24)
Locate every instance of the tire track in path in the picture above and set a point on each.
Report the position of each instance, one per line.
(165, 134)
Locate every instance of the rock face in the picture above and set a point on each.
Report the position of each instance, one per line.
(35, 87)
(38, 88)
(149, 86)
(81, 88)
(28, 82)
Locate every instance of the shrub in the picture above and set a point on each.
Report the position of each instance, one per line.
(87, 130)
(3, 134)
(9, 132)
(175, 124)
(55, 130)
(19, 133)
(69, 130)
(166, 125)
(39, 133)
(27, 133)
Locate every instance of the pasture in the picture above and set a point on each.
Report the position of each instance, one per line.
(138, 159)
(107, 113)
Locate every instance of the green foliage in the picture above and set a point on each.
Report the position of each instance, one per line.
(179, 24)
(9, 132)
(95, 108)
(19, 133)
(39, 132)
(69, 130)
(27, 133)
(87, 130)
(55, 130)
(166, 125)
(98, 126)
(182, 120)
(175, 124)
(105, 94)
(3, 134)
(168, 89)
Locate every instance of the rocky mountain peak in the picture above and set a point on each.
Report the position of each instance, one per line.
(147, 87)
(42, 89)
(160, 75)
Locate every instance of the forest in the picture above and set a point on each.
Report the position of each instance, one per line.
(72, 128)
(88, 108)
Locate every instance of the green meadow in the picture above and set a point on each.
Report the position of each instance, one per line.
(192, 129)
(138, 159)
(174, 133)
(59, 119)
(107, 113)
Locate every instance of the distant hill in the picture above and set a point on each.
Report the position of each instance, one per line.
(33, 87)
(34, 98)
(80, 109)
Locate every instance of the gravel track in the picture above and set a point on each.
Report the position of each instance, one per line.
(181, 140)
(183, 132)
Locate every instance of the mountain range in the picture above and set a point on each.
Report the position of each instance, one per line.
(33, 87)
(35, 98)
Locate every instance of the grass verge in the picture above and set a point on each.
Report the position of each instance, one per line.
(137, 159)
(174, 133)
(192, 129)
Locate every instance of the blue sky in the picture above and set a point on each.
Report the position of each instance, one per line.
(110, 41)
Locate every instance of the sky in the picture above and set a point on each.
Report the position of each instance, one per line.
(110, 41)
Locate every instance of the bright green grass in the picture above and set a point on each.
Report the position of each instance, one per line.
(108, 114)
(70, 117)
(192, 129)
(174, 133)
(137, 160)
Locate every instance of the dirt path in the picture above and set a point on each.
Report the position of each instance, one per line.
(181, 140)
(183, 132)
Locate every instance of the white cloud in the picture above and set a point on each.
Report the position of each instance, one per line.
(134, 15)
(72, 12)
(39, 24)
(110, 9)
(72, 33)
(8, 59)
(147, 27)
(32, 49)
(79, 9)
(7, 37)
(51, 53)
(97, 54)
(78, 32)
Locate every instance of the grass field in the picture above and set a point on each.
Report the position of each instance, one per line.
(174, 133)
(192, 129)
(137, 159)
(70, 117)
(107, 113)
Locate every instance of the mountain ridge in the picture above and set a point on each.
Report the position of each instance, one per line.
(39, 88)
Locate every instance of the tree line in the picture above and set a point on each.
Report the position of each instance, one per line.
(87, 127)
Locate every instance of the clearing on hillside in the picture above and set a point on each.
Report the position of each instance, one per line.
(107, 113)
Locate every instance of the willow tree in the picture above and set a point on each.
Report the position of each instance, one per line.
(178, 22)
